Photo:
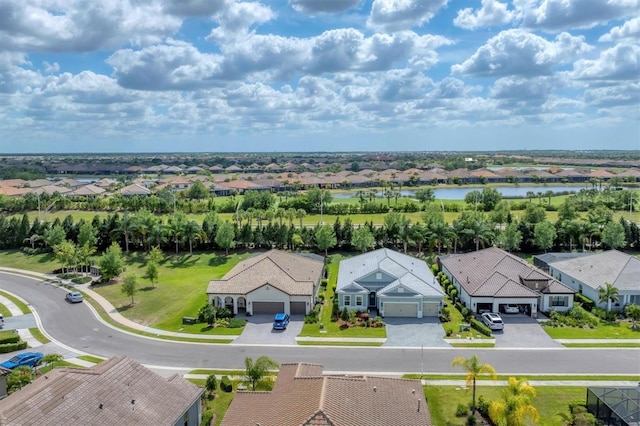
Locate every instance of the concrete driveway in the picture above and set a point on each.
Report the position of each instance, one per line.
(415, 332)
(522, 331)
(259, 330)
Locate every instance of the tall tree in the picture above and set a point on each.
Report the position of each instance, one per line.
(473, 368)
(111, 262)
(193, 232)
(544, 234)
(255, 371)
(325, 238)
(515, 408)
(176, 226)
(225, 236)
(479, 231)
(87, 235)
(511, 238)
(363, 239)
(54, 235)
(613, 235)
(126, 227)
(66, 253)
(608, 294)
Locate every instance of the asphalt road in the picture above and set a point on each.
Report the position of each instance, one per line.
(76, 326)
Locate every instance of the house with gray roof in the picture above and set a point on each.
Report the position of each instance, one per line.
(269, 283)
(488, 280)
(587, 274)
(303, 395)
(118, 391)
(392, 283)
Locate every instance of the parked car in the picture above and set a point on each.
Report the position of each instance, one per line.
(74, 297)
(511, 309)
(281, 321)
(493, 321)
(1, 321)
(25, 359)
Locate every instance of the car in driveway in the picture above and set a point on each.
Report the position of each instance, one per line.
(511, 309)
(492, 320)
(74, 297)
(281, 321)
(25, 359)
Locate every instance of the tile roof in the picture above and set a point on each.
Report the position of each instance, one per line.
(118, 391)
(301, 399)
(612, 266)
(291, 273)
(493, 272)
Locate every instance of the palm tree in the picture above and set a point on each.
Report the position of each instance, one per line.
(192, 231)
(609, 294)
(514, 409)
(157, 235)
(441, 233)
(33, 239)
(479, 231)
(300, 214)
(255, 371)
(126, 227)
(473, 367)
(176, 225)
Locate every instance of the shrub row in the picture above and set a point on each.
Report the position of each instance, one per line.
(10, 347)
(480, 327)
(9, 338)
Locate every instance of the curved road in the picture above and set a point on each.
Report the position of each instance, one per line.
(77, 327)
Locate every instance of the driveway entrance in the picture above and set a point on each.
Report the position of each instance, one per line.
(259, 330)
(522, 331)
(415, 332)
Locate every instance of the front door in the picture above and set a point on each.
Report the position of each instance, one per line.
(372, 299)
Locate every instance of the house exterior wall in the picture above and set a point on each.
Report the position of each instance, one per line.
(191, 417)
(546, 302)
(267, 293)
(580, 287)
(462, 294)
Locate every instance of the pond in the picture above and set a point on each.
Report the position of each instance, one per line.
(460, 193)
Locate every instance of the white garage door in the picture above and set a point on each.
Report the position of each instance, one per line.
(429, 309)
(401, 310)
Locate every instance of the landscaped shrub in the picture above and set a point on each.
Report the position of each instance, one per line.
(450, 288)
(335, 310)
(236, 322)
(434, 268)
(454, 293)
(344, 314)
(81, 280)
(483, 406)
(462, 410)
(586, 303)
(477, 325)
(207, 417)
(311, 317)
(9, 338)
(324, 282)
(225, 384)
(445, 315)
(471, 420)
(10, 347)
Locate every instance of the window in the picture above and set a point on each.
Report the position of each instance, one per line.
(635, 299)
(558, 301)
(358, 300)
(347, 300)
(378, 275)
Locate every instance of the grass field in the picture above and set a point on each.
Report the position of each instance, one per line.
(621, 330)
(550, 400)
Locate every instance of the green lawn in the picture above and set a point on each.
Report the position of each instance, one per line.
(19, 303)
(331, 329)
(443, 401)
(6, 313)
(620, 330)
(180, 291)
(44, 263)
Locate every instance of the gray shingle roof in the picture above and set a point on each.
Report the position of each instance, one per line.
(493, 272)
(291, 273)
(118, 391)
(303, 396)
(614, 267)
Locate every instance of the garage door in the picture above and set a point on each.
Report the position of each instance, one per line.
(429, 309)
(267, 307)
(298, 308)
(401, 310)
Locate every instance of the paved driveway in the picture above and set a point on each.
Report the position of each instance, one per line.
(259, 330)
(521, 331)
(19, 321)
(415, 332)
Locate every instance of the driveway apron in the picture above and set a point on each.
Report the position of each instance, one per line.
(259, 330)
(521, 331)
(415, 332)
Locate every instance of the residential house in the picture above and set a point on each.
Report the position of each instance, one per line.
(489, 279)
(271, 282)
(118, 391)
(587, 274)
(302, 395)
(134, 189)
(391, 283)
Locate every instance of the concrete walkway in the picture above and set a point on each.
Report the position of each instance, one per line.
(16, 313)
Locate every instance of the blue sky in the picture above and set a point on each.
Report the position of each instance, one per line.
(318, 75)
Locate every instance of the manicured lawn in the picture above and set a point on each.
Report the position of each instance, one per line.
(37, 334)
(331, 328)
(620, 330)
(19, 303)
(44, 263)
(6, 313)
(180, 291)
(532, 377)
(305, 343)
(550, 400)
(90, 358)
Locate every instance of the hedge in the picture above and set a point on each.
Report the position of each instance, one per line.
(9, 338)
(225, 384)
(477, 325)
(586, 303)
(10, 347)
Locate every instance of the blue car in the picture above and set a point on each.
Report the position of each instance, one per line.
(280, 321)
(26, 359)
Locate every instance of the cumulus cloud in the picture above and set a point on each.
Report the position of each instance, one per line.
(81, 26)
(517, 52)
(491, 14)
(630, 31)
(613, 96)
(13, 76)
(195, 7)
(313, 7)
(397, 15)
(238, 20)
(621, 62)
(554, 15)
(523, 92)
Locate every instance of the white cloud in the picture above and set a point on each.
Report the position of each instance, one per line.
(238, 21)
(517, 52)
(614, 96)
(397, 15)
(195, 7)
(313, 7)
(491, 14)
(13, 75)
(81, 26)
(630, 31)
(557, 15)
(621, 62)
(523, 93)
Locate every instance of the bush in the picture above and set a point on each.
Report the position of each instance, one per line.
(364, 316)
(236, 322)
(9, 338)
(586, 303)
(207, 417)
(81, 280)
(462, 410)
(483, 406)
(477, 325)
(11, 347)
(311, 317)
(225, 384)
(324, 282)
(445, 315)
(454, 293)
(471, 420)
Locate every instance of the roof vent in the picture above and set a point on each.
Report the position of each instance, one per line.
(100, 406)
(375, 389)
(413, 391)
(133, 401)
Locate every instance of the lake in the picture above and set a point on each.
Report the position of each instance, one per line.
(460, 193)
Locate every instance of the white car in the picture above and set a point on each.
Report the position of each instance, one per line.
(493, 321)
(74, 297)
(511, 309)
